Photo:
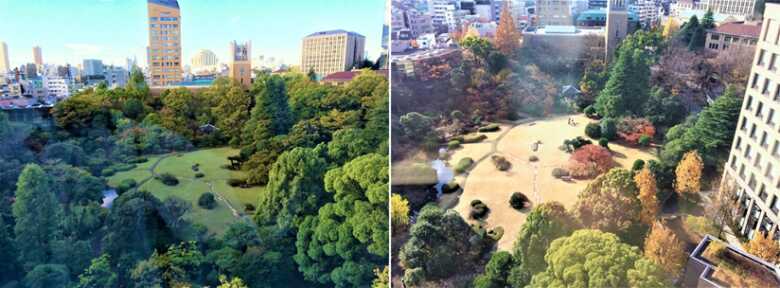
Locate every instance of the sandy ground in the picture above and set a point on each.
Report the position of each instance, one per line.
(534, 179)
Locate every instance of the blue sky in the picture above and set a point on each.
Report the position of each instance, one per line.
(69, 31)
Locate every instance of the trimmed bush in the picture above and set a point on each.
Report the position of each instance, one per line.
(207, 201)
(107, 172)
(519, 201)
(138, 160)
(604, 142)
(195, 168)
(593, 130)
(168, 179)
(590, 111)
(249, 207)
(452, 145)
(609, 128)
(122, 167)
(489, 128)
(533, 158)
(234, 182)
(478, 210)
(501, 163)
(638, 165)
(570, 145)
(200, 175)
(473, 138)
(559, 173)
(463, 165)
(450, 187)
(125, 185)
(496, 233)
(644, 141)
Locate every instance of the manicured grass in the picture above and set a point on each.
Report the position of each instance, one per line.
(190, 188)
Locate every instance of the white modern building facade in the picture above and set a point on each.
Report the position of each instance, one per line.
(753, 167)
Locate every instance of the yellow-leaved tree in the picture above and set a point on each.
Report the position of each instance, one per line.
(645, 182)
(399, 211)
(764, 247)
(664, 249)
(688, 173)
(507, 36)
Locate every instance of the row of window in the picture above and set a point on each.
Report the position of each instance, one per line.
(766, 85)
(164, 38)
(763, 56)
(155, 19)
(164, 64)
(163, 32)
(771, 31)
(164, 26)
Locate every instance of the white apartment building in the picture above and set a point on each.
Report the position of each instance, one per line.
(332, 51)
(418, 22)
(58, 87)
(753, 167)
(647, 11)
(723, 9)
(453, 18)
(437, 9)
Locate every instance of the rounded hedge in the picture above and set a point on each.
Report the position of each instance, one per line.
(168, 179)
(604, 142)
(593, 130)
(638, 165)
(519, 200)
(478, 210)
(559, 173)
(207, 201)
(608, 128)
(644, 140)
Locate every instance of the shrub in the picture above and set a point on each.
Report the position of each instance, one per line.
(519, 200)
(638, 165)
(590, 161)
(463, 165)
(168, 179)
(195, 168)
(452, 145)
(608, 128)
(489, 128)
(590, 111)
(138, 160)
(700, 225)
(533, 158)
(632, 129)
(200, 175)
(235, 182)
(593, 130)
(207, 201)
(107, 172)
(559, 173)
(478, 210)
(604, 142)
(413, 277)
(501, 163)
(570, 145)
(249, 207)
(450, 187)
(125, 185)
(473, 138)
(496, 233)
(644, 141)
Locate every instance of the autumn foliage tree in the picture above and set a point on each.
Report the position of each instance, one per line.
(645, 182)
(590, 161)
(763, 247)
(399, 210)
(630, 129)
(610, 203)
(688, 173)
(507, 36)
(665, 250)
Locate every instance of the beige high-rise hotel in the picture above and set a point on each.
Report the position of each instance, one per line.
(164, 51)
(332, 51)
(753, 167)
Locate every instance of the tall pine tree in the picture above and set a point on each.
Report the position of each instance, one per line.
(37, 215)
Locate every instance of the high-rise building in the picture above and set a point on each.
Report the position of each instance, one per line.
(92, 67)
(37, 57)
(240, 65)
(30, 70)
(753, 167)
(4, 64)
(164, 42)
(617, 26)
(203, 59)
(332, 51)
(554, 12)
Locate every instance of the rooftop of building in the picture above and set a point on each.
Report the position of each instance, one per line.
(601, 14)
(744, 29)
(422, 54)
(564, 30)
(333, 32)
(21, 103)
(346, 76)
(730, 266)
(167, 3)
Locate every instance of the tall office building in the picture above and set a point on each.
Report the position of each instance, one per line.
(554, 12)
(37, 57)
(4, 64)
(753, 167)
(617, 26)
(92, 67)
(164, 42)
(332, 51)
(241, 63)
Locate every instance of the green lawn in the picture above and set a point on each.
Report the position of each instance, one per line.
(190, 188)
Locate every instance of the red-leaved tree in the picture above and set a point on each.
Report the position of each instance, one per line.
(590, 161)
(631, 129)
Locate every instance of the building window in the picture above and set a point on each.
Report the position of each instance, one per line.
(765, 89)
(744, 124)
(738, 146)
(754, 84)
(764, 143)
(761, 57)
(770, 118)
(775, 148)
(749, 105)
(760, 110)
(753, 131)
(772, 61)
(713, 46)
(747, 152)
(762, 192)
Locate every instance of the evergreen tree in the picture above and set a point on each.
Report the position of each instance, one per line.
(698, 38)
(708, 22)
(38, 216)
(271, 115)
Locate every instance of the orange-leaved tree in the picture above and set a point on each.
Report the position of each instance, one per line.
(688, 173)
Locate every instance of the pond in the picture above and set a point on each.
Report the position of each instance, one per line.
(444, 174)
(108, 197)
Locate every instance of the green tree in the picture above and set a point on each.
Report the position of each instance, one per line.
(496, 271)
(231, 111)
(708, 21)
(627, 88)
(545, 223)
(610, 203)
(241, 235)
(8, 267)
(183, 112)
(73, 185)
(295, 188)
(271, 114)
(133, 108)
(98, 275)
(37, 215)
(348, 238)
(48, 276)
(591, 258)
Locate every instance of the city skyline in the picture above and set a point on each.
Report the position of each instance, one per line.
(228, 21)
